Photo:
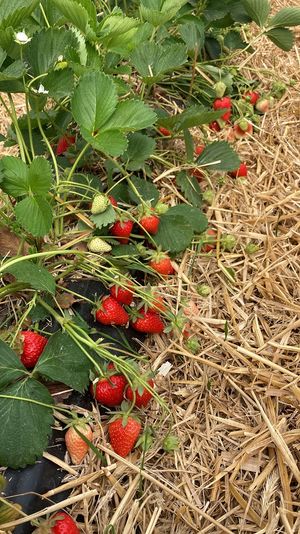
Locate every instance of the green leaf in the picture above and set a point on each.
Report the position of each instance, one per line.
(147, 191)
(94, 101)
(59, 84)
(125, 250)
(191, 117)
(11, 367)
(16, 176)
(215, 9)
(130, 115)
(63, 360)
(234, 41)
(193, 216)
(26, 425)
(35, 275)
(13, 12)
(281, 37)
(258, 10)
(193, 34)
(140, 148)
(189, 186)
(219, 156)
(13, 72)
(152, 60)
(35, 215)
(105, 218)
(40, 176)
(288, 16)
(53, 42)
(77, 14)
(158, 12)
(110, 142)
(174, 234)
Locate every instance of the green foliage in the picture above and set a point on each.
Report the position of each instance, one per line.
(153, 61)
(140, 147)
(258, 10)
(281, 37)
(189, 186)
(219, 156)
(35, 275)
(158, 12)
(288, 16)
(25, 422)
(191, 117)
(103, 219)
(142, 189)
(11, 367)
(62, 360)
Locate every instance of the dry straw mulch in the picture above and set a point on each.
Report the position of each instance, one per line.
(235, 404)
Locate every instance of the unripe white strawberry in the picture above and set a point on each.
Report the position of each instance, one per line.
(96, 244)
(220, 89)
(264, 104)
(100, 203)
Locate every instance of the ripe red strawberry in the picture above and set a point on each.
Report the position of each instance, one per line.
(223, 103)
(252, 96)
(215, 126)
(199, 149)
(207, 247)
(122, 230)
(158, 304)
(123, 295)
(64, 142)
(76, 446)
(33, 346)
(111, 312)
(164, 131)
(148, 322)
(123, 434)
(242, 129)
(113, 201)
(141, 399)
(109, 391)
(59, 523)
(150, 223)
(64, 524)
(242, 171)
(161, 263)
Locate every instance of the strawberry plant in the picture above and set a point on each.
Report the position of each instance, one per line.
(80, 196)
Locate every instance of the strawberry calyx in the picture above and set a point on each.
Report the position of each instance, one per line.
(124, 413)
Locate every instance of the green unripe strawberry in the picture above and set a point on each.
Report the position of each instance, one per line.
(220, 89)
(100, 203)
(96, 244)
(193, 345)
(203, 290)
(208, 196)
(251, 248)
(170, 443)
(228, 242)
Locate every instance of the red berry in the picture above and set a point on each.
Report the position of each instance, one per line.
(63, 143)
(111, 312)
(123, 435)
(207, 247)
(109, 391)
(162, 264)
(113, 201)
(157, 304)
(64, 524)
(76, 446)
(223, 103)
(33, 346)
(149, 322)
(123, 295)
(122, 230)
(242, 171)
(142, 399)
(150, 223)
(215, 126)
(252, 96)
(199, 149)
(164, 131)
(264, 104)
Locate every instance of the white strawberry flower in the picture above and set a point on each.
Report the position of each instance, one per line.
(21, 38)
(41, 90)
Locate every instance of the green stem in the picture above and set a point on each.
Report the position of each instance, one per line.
(12, 288)
(46, 140)
(50, 254)
(73, 169)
